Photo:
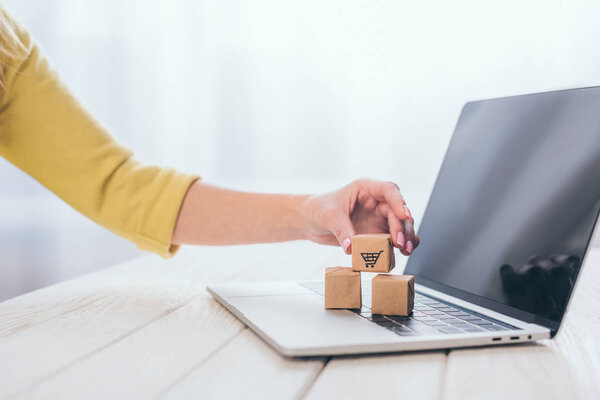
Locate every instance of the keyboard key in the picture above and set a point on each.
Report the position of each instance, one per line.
(427, 319)
(434, 322)
(433, 312)
(405, 321)
(400, 328)
(469, 318)
(435, 304)
(455, 322)
(420, 316)
(472, 329)
(444, 317)
(406, 333)
(479, 322)
(386, 324)
(377, 317)
(448, 330)
(399, 318)
(459, 313)
(419, 327)
(447, 309)
(461, 326)
(423, 299)
(420, 307)
(382, 321)
(493, 328)
(403, 331)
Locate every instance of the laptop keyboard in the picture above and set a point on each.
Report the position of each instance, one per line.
(430, 315)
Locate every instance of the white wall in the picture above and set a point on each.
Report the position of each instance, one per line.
(285, 95)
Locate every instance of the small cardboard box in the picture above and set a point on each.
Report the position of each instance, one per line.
(342, 288)
(393, 294)
(373, 253)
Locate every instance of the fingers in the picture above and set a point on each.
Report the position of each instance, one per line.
(343, 230)
(412, 240)
(417, 240)
(391, 205)
(388, 192)
(402, 232)
(396, 230)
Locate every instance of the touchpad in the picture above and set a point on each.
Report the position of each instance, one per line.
(232, 290)
(301, 321)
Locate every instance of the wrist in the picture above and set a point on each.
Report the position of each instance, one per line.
(301, 215)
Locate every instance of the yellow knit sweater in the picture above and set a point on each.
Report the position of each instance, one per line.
(45, 132)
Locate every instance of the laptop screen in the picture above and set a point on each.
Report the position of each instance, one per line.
(515, 204)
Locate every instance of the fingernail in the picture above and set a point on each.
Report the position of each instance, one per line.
(409, 247)
(407, 212)
(400, 239)
(346, 244)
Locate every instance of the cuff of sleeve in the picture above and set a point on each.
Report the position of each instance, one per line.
(159, 215)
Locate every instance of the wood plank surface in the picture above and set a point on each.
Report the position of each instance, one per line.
(44, 304)
(33, 355)
(112, 309)
(247, 368)
(144, 363)
(402, 376)
(148, 329)
(176, 329)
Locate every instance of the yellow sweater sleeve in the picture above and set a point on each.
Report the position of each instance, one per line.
(45, 132)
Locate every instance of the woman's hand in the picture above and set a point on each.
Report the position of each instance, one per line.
(211, 215)
(364, 206)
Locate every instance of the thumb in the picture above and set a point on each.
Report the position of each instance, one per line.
(343, 230)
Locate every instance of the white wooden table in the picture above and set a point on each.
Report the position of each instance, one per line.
(148, 329)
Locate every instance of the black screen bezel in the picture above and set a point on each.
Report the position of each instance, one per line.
(494, 305)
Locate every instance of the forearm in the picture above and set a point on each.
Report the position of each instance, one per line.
(215, 216)
(46, 133)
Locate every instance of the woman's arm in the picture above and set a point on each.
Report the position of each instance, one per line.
(217, 216)
(45, 132)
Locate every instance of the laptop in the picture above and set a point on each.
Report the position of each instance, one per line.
(503, 240)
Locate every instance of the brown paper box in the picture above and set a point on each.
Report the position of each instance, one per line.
(373, 253)
(393, 294)
(342, 288)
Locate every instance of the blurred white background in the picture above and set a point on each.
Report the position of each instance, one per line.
(278, 96)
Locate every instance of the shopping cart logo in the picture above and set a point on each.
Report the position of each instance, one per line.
(370, 259)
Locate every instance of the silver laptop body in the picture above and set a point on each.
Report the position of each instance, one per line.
(503, 240)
